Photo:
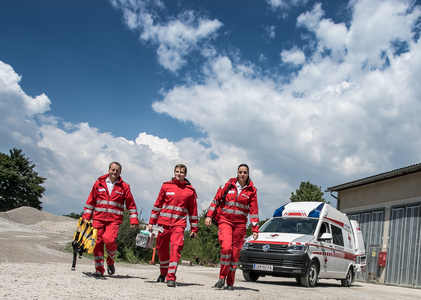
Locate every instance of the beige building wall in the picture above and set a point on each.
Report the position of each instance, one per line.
(379, 193)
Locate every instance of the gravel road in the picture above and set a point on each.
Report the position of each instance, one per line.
(33, 265)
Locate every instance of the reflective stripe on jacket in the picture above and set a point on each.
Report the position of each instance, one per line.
(236, 208)
(105, 207)
(175, 201)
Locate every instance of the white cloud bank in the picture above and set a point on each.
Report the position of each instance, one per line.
(176, 38)
(352, 110)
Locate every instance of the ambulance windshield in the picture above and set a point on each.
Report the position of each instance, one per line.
(290, 225)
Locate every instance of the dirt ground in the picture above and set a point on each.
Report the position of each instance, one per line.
(34, 265)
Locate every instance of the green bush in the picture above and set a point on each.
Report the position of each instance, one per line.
(205, 246)
(127, 250)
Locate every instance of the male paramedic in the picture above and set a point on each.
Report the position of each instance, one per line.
(105, 205)
(176, 200)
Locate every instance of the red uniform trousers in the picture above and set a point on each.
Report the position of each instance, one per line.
(231, 238)
(107, 234)
(169, 257)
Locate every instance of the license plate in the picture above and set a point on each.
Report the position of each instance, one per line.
(263, 267)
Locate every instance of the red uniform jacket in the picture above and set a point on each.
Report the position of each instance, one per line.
(109, 208)
(236, 208)
(175, 201)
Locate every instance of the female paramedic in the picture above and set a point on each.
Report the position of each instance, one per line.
(233, 202)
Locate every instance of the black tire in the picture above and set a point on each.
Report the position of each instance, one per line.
(347, 282)
(298, 280)
(250, 276)
(310, 278)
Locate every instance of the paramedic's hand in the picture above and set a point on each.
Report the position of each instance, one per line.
(149, 227)
(85, 221)
(255, 235)
(134, 225)
(192, 235)
(208, 221)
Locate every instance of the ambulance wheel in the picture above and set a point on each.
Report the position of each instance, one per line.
(310, 278)
(347, 282)
(298, 280)
(250, 276)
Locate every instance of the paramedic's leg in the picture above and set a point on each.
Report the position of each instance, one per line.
(237, 242)
(177, 243)
(99, 246)
(225, 240)
(109, 237)
(163, 248)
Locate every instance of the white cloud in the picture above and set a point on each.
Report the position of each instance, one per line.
(270, 31)
(286, 4)
(294, 56)
(71, 156)
(311, 19)
(176, 38)
(334, 120)
(14, 97)
(157, 145)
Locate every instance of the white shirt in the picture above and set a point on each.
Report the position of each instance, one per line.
(110, 185)
(239, 188)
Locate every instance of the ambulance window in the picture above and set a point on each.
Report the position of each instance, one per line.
(338, 238)
(324, 228)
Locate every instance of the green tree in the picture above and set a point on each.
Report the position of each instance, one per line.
(74, 215)
(249, 232)
(20, 185)
(308, 192)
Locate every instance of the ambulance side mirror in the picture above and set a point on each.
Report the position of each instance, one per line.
(325, 237)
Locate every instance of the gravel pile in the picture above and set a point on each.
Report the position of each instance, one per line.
(30, 216)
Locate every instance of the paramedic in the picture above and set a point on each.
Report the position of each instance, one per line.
(105, 205)
(240, 201)
(176, 200)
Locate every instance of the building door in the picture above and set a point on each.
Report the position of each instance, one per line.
(403, 247)
(375, 241)
(371, 224)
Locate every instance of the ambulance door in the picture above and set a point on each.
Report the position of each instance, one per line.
(328, 262)
(342, 255)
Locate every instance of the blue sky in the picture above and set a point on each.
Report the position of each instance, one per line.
(319, 91)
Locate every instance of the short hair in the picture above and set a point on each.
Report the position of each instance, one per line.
(181, 166)
(115, 163)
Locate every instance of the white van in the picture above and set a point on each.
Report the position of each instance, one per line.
(308, 241)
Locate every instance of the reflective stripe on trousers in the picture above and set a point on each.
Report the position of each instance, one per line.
(172, 236)
(107, 234)
(231, 238)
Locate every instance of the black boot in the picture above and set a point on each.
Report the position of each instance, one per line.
(220, 284)
(110, 269)
(161, 278)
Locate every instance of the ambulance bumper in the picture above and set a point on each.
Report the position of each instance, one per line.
(274, 264)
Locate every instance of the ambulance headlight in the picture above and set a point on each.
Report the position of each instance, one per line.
(297, 249)
(245, 245)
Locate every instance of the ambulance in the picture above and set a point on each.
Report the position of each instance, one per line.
(307, 241)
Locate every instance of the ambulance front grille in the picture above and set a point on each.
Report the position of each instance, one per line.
(272, 247)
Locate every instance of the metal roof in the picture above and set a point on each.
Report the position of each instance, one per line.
(375, 178)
